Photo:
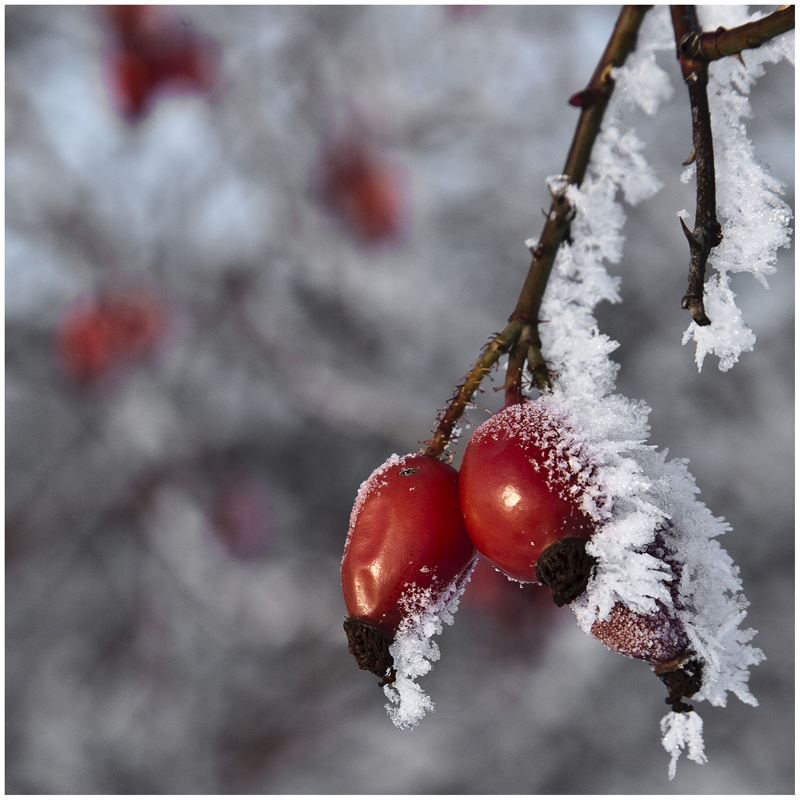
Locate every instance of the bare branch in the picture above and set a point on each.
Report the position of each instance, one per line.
(707, 232)
(713, 45)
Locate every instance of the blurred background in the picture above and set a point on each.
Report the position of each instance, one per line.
(250, 251)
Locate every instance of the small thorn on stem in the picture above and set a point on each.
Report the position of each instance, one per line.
(690, 160)
(690, 237)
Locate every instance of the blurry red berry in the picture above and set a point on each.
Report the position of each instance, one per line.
(512, 607)
(85, 345)
(406, 537)
(523, 478)
(153, 53)
(462, 11)
(366, 194)
(100, 334)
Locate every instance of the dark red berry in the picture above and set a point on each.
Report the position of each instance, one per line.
(659, 638)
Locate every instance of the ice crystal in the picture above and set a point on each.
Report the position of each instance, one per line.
(683, 732)
(414, 651)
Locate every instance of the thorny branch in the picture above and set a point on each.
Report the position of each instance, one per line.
(464, 392)
(520, 338)
(707, 232)
(593, 101)
(710, 46)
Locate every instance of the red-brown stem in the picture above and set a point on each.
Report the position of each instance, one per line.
(464, 392)
(593, 100)
(521, 336)
(722, 42)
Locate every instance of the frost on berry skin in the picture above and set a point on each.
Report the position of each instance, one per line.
(659, 637)
(530, 497)
(406, 557)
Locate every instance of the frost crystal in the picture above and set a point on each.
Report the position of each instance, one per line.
(414, 650)
(683, 731)
(647, 492)
(755, 221)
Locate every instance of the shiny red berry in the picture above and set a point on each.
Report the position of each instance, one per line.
(526, 486)
(406, 550)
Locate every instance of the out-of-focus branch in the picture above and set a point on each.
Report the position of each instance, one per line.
(707, 232)
(710, 46)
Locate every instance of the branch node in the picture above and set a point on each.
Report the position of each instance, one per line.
(696, 308)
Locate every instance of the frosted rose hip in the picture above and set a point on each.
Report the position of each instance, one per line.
(522, 485)
(406, 536)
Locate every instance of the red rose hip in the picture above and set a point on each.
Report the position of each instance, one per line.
(406, 537)
(522, 485)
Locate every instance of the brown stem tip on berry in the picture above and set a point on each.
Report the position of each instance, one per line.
(369, 646)
(565, 567)
(682, 681)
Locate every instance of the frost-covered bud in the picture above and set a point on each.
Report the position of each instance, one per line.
(658, 638)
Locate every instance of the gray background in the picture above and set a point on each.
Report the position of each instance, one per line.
(140, 655)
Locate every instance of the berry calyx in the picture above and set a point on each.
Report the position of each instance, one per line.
(369, 645)
(407, 551)
(525, 483)
(565, 568)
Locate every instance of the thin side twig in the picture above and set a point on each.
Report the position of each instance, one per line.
(707, 232)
